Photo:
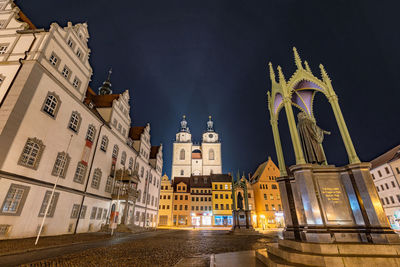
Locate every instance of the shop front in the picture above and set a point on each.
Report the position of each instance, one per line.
(201, 219)
(223, 220)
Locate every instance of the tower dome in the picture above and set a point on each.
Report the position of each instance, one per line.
(210, 125)
(184, 127)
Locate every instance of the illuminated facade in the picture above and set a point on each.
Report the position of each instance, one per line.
(268, 204)
(222, 200)
(166, 199)
(385, 171)
(196, 159)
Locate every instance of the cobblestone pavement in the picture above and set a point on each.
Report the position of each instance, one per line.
(166, 249)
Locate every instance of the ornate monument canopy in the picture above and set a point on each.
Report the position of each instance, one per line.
(299, 91)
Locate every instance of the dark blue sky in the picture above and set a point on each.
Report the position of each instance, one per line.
(203, 58)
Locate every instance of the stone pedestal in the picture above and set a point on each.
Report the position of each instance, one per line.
(328, 204)
(242, 221)
(294, 253)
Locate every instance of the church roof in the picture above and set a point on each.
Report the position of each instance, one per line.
(257, 174)
(390, 155)
(154, 151)
(135, 132)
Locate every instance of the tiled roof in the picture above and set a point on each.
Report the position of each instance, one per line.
(393, 153)
(221, 177)
(185, 180)
(200, 181)
(257, 174)
(25, 19)
(99, 101)
(154, 151)
(135, 132)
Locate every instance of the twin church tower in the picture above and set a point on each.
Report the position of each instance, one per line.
(196, 159)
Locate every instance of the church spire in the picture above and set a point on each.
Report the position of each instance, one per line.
(210, 125)
(105, 89)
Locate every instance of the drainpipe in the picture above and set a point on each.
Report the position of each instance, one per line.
(87, 181)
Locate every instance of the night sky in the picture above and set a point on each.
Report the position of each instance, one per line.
(202, 58)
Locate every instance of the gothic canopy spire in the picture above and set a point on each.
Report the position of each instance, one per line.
(105, 89)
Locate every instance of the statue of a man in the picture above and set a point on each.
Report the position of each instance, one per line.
(311, 137)
(240, 201)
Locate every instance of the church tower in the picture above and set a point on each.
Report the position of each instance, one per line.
(211, 148)
(182, 152)
(196, 159)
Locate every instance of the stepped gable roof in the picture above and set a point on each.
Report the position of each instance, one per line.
(154, 151)
(390, 155)
(25, 19)
(135, 132)
(185, 180)
(221, 177)
(87, 100)
(200, 181)
(257, 174)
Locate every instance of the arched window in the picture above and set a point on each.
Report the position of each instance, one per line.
(115, 152)
(51, 104)
(211, 154)
(182, 172)
(104, 143)
(130, 166)
(182, 154)
(91, 132)
(123, 158)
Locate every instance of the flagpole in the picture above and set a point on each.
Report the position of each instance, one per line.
(52, 192)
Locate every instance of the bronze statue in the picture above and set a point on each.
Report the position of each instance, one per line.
(311, 137)
(240, 201)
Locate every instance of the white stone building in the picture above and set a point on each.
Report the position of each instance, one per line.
(385, 172)
(196, 159)
(54, 127)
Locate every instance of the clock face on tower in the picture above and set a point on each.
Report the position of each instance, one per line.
(210, 135)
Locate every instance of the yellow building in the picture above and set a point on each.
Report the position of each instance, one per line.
(222, 199)
(165, 203)
(201, 203)
(181, 202)
(267, 196)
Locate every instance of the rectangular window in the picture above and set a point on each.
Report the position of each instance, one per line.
(104, 214)
(221, 196)
(186, 207)
(387, 186)
(398, 198)
(31, 153)
(216, 206)
(83, 212)
(227, 206)
(266, 207)
(387, 201)
(377, 189)
(393, 184)
(75, 211)
(279, 207)
(93, 213)
(274, 186)
(398, 170)
(220, 186)
(80, 173)
(99, 212)
(216, 196)
(215, 187)
(109, 184)
(176, 197)
(3, 48)
(66, 72)
(265, 197)
(382, 187)
(271, 197)
(61, 165)
(180, 207)
(70, 43)
(76, 83)
(54, 60)
(373, 177)
(186, 197)
(392, 199)
(78, 53)
(272, 206)
(14, 200)
(226, 196)
(387, 170)
(249, 195)
(52, 205)
(379, 173)
(175, 207)
(180, 197)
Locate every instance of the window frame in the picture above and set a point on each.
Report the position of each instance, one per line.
(53, 204)
(66, 159)
(78, 124)
(105, 146)
(97, 173)
(38, 156)
(21, 203)
(83, 174)
(56, 108)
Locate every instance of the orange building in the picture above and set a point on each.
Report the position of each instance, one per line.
(181, 202)
(268, 204)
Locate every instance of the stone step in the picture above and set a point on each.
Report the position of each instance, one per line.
(274, 261)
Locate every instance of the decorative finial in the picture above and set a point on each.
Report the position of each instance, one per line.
(109, 74)
(210, 125)
(184, 127)
(307, 66)
(184, 116)
(297, 59)
(281, 76)
(324, 75)
(271, 73)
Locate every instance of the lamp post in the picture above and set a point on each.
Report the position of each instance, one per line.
(52, 191)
